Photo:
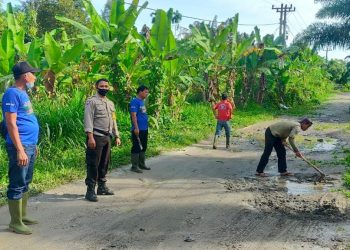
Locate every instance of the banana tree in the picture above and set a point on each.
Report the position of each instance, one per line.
(17, 30)
(211, 43)
(259, 61)
(129, 71)
(111, 38)
(178, 84)
(163, 45)
(12, 47)
(12, 43)
(160, 52)
(236, 50)
(57, 58)
(104, 36)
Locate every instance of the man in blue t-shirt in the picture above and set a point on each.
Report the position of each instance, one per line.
(139, 130)
(21, 140)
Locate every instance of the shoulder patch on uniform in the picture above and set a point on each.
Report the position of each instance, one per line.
(111, 103)
(89, 100)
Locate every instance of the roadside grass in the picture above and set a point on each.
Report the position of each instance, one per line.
(346, 176)
(62, 139)
(324, 126)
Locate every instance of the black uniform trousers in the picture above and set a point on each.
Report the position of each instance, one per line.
(97, 160)
(270, 143)
(136, 149)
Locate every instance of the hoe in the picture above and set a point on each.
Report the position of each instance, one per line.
(322, 176)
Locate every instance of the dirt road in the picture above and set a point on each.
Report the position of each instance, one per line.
(200, 198)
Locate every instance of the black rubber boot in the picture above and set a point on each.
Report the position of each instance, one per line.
(135, 162)
(142, 158)
(227, 142)
(102, 189)
(215, 141)
(90, 193)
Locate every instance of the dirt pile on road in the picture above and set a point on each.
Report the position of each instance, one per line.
(297, 197)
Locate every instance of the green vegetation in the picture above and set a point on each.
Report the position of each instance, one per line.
(346, 176)
(185, 75)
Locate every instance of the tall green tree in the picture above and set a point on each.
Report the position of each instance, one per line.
(3, 23)
(211, 44)
(337, 69)
(46, 10)
(334, 33)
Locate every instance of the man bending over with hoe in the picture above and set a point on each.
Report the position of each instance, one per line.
(275, 137)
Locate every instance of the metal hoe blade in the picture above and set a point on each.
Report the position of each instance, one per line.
(322, 176)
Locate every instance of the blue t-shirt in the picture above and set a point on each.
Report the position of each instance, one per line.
(137, 105)
(17, 101)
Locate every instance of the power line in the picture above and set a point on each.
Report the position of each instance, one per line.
(207, 20)
(266, 1)
(290, 31)
(297, 21)
(302, 19)
(274, 33)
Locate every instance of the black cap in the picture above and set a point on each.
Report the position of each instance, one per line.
(22, 68)
(224, 96)
(306, 121)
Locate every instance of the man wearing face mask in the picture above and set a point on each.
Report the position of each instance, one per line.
(21, 144)
(100, 125)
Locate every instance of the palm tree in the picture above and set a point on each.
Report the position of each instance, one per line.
(336, 34)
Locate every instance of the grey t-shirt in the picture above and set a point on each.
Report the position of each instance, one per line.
(284, 130)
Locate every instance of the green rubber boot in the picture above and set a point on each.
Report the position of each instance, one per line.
(16, 224)
(25, 219)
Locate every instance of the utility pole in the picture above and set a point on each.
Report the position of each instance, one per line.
(327, 49)
(284, 9)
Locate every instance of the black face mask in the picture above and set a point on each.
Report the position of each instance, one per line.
(102, 92)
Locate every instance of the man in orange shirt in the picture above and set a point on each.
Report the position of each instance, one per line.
(223, 113)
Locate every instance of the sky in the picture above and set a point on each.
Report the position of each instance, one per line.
(255, 12)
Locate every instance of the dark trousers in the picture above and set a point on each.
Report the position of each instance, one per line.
(270, 143)
(135, 149)
(97, 160)
(19, 176)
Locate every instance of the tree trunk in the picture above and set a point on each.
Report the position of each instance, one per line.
(171, 98)
(245, 89)
(231, 83)
(213, 88)
(204, 95)
(49, 82)
(262, 88)
(158, 103)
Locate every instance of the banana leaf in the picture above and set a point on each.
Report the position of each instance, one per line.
(159, 32)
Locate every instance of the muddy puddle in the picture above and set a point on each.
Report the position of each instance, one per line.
(296, 196)
(295, 188)
(325, 145)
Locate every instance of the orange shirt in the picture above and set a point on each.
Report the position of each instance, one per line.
(224, 110)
